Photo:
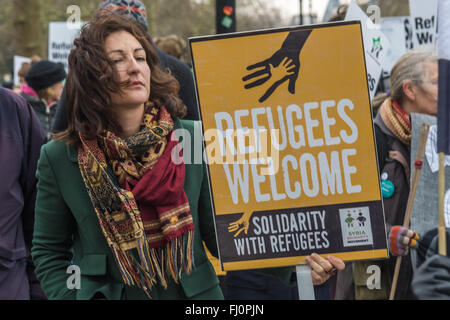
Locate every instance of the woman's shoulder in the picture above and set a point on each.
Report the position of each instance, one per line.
(194, 127)
(58, 150)
(190, 124)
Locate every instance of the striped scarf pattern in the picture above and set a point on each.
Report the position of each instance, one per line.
(146, 218)
(397, 120)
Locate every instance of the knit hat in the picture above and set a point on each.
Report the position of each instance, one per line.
(44, 74)
(131, 8)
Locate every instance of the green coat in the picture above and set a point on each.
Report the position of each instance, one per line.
(67, 232)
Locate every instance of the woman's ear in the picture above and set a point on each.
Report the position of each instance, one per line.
(409, 90)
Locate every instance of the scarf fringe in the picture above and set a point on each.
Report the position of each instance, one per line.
(156, 262)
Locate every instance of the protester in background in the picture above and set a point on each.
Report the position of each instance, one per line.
(414, 80)
(136, 11)
(432, 279)
(172, 45)
(46, 79)
(21, 137)
(23, 71)
(111, 197)
(24, 87)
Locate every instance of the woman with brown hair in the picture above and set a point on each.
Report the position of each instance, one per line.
(414, 89)
(111, 201)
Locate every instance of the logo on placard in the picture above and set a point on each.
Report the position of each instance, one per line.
(376, 47)
(283, 65)
(356, 227)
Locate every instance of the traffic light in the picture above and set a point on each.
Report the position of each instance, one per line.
(225, 16)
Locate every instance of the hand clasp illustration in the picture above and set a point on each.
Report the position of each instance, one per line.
(283, 65)
(241, 224)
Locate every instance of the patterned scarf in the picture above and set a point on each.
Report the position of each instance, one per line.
(397, 120)
(146, 218)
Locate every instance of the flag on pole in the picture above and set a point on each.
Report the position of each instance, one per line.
(443, 142)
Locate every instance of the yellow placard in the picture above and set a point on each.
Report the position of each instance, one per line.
(290, 144)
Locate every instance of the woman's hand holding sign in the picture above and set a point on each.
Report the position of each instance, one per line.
(322, 269)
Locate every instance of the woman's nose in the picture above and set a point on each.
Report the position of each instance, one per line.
(133, 65)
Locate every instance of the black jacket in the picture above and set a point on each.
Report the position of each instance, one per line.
(21, 138)
(432, 279)
(44, 113)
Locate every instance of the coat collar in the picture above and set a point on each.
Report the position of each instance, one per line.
(72, 153)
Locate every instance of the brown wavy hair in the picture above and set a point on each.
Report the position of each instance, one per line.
(91, 80)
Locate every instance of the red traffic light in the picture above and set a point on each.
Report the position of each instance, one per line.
(228, 10)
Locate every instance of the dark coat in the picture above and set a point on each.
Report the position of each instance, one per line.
(353, 280)
(67, 231)
(21, 137)
(44, 113)
(432, 279)
(178, 69)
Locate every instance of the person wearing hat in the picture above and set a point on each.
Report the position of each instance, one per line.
(136, 11)
(46, 79)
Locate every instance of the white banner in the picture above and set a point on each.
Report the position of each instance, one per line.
(376, 45)
(60, 42)
(424, 22)
(400, 35)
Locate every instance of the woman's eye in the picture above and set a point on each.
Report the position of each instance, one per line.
(140, 59)
(117, 60)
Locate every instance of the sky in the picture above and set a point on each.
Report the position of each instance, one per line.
(291, 7)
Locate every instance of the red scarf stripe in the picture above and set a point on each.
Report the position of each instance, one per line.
(174, 212)
(185, 224)
(152, 238)
(154, 224)
(401, 114)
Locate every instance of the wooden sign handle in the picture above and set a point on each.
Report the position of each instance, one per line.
(441, 225)
(412, 193)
